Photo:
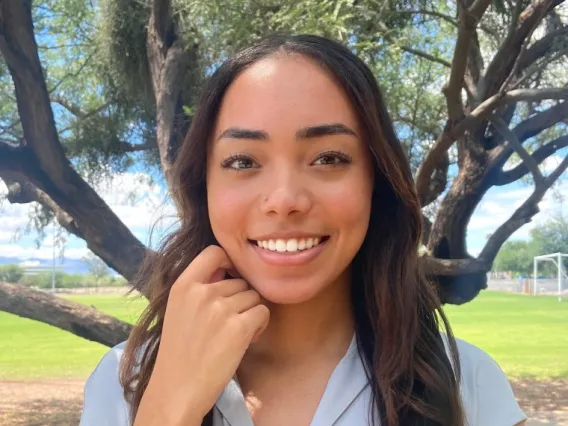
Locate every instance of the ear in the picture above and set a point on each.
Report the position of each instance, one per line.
(442, 249)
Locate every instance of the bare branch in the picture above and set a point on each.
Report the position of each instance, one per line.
(541, 121)
(467, 22)
(21, 191)
(437, 267)
(510, 136)
(541, 154)
(130, 147)
(506, 57)
(527, 129)
(534, 95)
(522, 215)
(68, 105)
(425, 55)
(72, 74)
(73, 317)
(425, 12)
(545, 46)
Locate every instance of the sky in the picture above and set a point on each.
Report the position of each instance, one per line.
(142, 204)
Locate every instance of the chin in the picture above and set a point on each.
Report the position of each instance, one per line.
(286, 291)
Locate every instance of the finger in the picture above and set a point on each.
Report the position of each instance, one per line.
(256, 320)
(205, 265)
(244, 301)
(228, 288)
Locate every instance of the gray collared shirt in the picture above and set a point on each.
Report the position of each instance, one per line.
(485, 391)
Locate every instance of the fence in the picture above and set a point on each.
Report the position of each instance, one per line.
(548, 286)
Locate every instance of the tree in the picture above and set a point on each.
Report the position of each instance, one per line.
(97, 268)
(551, 236)
(472, 84)
(547, 238)
(11, 273)
(517, 257)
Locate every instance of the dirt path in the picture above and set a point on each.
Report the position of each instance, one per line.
(58, 402)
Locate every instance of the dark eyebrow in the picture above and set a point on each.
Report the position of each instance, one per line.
(325, 130)
(239, 133)
(305, 133)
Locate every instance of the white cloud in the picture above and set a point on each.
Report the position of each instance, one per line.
(498, 205)
(44, 252)
(139, 203)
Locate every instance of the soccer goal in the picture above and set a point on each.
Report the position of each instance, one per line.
(551, 286)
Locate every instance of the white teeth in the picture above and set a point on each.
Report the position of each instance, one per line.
(292, 245)
(280, 246)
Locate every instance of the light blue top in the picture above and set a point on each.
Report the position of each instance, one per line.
(486, 394)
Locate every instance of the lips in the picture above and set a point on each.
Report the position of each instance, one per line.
(290, 245)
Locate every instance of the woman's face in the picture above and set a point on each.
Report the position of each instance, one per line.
(289, 179)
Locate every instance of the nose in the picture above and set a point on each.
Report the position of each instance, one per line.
(286, 195)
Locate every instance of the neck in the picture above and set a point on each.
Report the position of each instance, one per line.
(322, 327)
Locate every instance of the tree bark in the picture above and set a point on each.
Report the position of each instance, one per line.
(78, 319)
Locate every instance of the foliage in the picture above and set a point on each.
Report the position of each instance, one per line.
(11, 273)
(43, 280)
(517, 257)
(547, 238)
(97, 268)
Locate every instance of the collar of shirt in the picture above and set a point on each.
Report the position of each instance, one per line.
(345, 384)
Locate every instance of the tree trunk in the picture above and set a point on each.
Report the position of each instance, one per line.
(449, 231)
(73, 317)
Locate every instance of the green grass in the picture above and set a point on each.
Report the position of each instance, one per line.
(528, 336)
(32, 350)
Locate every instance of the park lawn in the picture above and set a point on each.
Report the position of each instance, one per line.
(33, 350)
(526, 335)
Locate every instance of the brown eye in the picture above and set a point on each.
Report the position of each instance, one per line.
(239, 162)
(332, 158)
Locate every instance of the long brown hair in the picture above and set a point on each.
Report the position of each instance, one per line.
(397, 311)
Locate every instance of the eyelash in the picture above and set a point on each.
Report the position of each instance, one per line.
(343, 158)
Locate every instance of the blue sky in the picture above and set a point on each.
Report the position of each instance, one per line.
(140, 204)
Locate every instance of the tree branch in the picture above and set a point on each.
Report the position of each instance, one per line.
(467, 22)
(425, 12)
(445, 267)
(21, 191)
(527, 129)
(541, 121)
(425, 55)
(522, 215)
(510, 136)
(76, 318)
(545, 46)
(505, 58)
(130, 147)
(540, 155)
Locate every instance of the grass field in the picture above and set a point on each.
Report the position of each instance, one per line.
(528, 336)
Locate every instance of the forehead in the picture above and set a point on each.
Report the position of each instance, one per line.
(284, 92)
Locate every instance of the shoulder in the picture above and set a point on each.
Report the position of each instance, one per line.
(104, 402)
(487, 396)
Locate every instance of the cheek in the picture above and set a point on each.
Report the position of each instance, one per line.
(228, 211)
(350, 204)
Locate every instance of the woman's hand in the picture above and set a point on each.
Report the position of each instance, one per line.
(209, 324)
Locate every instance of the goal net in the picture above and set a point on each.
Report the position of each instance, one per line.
(545, 283)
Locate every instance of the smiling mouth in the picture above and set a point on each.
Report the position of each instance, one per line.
(291, 245)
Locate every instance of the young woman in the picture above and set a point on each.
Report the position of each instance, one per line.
(291, 293)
